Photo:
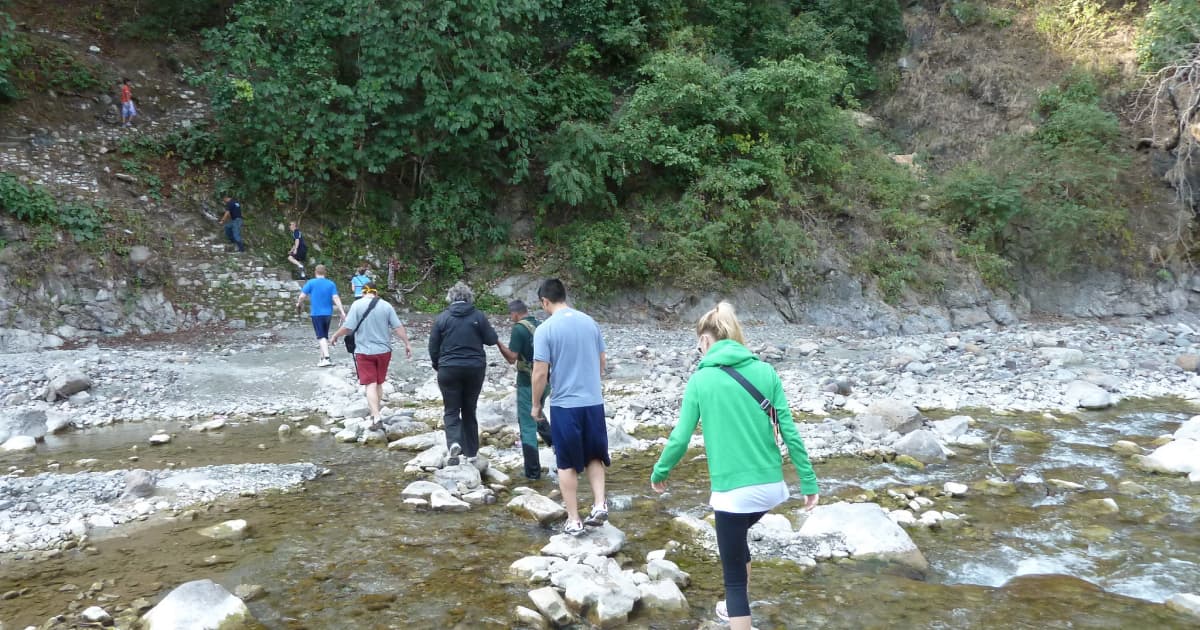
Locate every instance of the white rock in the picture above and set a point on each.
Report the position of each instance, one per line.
(18, 443)
(604, 540)
(540, 508)
(1177, 457)
(313, 430)
(421, 489)
(955, 489)
(530, 566)
(952, 428)
(198, 605)
(1189, 430)
(160, 438)
(528, 618)
(552, 605)
(1062, 356)
(1087, 396)
(1187, 603)
(212, 425)
(95, 614)
(229, 530)
(921, 445)
(867, 530)
(662, 595)
(666, 570)
(445, 502)
(902, 517)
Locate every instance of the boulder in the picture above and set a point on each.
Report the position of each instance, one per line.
(1186, 603)
(540, 508)
(419, 442)
(18, 444)
(63, 383)
(198, 605)
(1086, 395)
(552, 606)
(429, 459)
(445, 502)
(95, 615)
(57, 421)
(606, 599)
(867, 532)
(663, 569)
(210, 425)
(662, 595)
(28, 422)
(530, 567)
(952, 428)
(1189, 430)
(421, 489)
(921, 445)
(1176, 457)
(526, 618)
(1125, 447)
(459, 478)
(159, 439)
(955, 489)
(229, 530)
(1062, 356)
(897, 415)
(139, 483)
(605, 540)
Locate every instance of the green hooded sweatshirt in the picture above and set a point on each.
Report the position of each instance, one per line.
(738, 437)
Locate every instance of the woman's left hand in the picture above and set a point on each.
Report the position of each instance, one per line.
(810, 501)
(659, 487)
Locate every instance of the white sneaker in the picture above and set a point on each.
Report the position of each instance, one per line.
(324, 362)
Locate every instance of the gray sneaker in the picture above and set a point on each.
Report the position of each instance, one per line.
(598, 516)
(455, 451)
(573, 528)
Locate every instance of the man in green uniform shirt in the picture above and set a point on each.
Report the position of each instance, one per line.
(519, 351)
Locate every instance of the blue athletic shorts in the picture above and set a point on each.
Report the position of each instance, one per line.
(321, 325)
(580, 436)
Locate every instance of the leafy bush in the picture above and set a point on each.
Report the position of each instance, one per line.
(607, 255)
(1079, 24)
(163, 20)
(861, 31)
(12, 48)
(33, 205)
(1168, 30)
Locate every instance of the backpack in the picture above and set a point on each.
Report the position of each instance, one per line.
(522, 364)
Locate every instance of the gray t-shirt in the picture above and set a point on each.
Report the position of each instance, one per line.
(375, 334)
(571, 343)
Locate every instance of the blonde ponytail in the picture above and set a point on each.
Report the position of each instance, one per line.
(721, 323)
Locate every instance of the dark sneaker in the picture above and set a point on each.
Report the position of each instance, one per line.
(598, 516)
(455, 451)
(573, 528)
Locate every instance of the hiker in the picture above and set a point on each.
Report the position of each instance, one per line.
(456, 349)
(569, 354)
(745, 416)
(323, 293)
(360, 279)
(232, 220)
(128, 110)
(299, 252)
(519, 351)
(370, 323)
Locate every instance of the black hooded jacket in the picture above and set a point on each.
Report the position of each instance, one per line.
(458, 337)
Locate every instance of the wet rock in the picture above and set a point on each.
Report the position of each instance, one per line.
(921, 445)
(1187, 603)
(1176, 457)
(1087, 396)
(420, 442)
(952, 428)
(421, 489)
(552, 605)
(159, 439)
(28, 422)
(663, 569)
(867, 531)
(535, 568)
(955, 489)
(607, 598)
(431, 458)
(211, 425)
(249, 592)
(662, 595)
(445, 502)
(995, 487)
(356, 410)
(1066, 485)
(1099, 507)
(529, 618)
(540, 508)
(1025, 436)
(1189, 430)
(18, 443)
(198, 605)
(1132, 488)
(95, 615)
(1125, 447)
(897, 415)
(229, 530)
(139, 483)
(459, 478)
(313, 430)
(346, 436)
(902, 517)
(604, 540)
(910, 462)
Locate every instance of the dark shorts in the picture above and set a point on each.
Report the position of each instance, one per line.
(321, 325)
(300, 255)
(372, 368)
(580, 436)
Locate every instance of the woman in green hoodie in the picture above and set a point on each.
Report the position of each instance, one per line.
(744, 461)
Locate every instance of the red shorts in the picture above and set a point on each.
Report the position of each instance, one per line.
(372, 368)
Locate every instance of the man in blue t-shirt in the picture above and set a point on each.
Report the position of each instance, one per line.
(323, 294)
(569, 354)
(232, 220)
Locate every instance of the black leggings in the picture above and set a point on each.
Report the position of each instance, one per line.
(460, 394)
(735, 554)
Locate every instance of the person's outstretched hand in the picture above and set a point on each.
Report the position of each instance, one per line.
(659, 487)
(810, 501)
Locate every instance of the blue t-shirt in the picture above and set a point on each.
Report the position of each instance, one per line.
(358, 282)
(302, 247)
(234, 208)
(571, 343)
(320, 292)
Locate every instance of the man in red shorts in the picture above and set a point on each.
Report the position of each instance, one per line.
(371, 320)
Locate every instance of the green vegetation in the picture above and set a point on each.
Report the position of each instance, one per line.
(36, 206)
(1169, 30)
(12, 48)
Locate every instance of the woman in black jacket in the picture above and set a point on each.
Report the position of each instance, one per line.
(456, 349)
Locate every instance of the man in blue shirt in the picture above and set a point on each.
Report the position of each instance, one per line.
(299, 251)
(232, 220)
(323, 294)
(569, 354)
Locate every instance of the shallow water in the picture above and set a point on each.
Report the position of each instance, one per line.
(344, 553)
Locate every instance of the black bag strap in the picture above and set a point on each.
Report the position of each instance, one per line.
(762, 401)
(364, 317)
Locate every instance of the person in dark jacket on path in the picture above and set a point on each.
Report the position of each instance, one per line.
(456, 349)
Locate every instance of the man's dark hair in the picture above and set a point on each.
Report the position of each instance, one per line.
(552, 289)
(517, 306)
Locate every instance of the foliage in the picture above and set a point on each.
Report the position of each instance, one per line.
(860, 31)
(34, 205)
(1168, 30)
(1076, 24)
(54, 66)
(1048, 198)
(163, 20)
(12, 48)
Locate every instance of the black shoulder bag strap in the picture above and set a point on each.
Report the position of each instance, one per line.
(364, 317)
(763, 403)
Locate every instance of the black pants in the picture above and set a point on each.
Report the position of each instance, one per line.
(460, 394)
(735, 553)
